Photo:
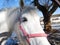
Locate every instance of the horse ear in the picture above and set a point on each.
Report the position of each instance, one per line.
(21, 3)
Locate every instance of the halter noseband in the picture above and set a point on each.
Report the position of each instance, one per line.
(31, 35)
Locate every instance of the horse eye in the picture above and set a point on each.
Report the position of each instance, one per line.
(24, 19)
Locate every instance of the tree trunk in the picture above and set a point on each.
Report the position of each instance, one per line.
(47, 22)
(47, 25)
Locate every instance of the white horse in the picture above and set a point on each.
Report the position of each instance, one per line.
(30, 23)
(30, 28)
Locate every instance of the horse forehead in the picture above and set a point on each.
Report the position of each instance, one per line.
(27, 16)
(30, 16)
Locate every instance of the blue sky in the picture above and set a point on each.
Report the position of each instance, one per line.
(15, 3)
(9, 3)
(57, 11)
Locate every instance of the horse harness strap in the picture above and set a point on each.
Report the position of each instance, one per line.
(31, 35)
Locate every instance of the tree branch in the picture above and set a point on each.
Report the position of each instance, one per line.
(50, 5)
(40, 7)
(53, 9)
(57, 2)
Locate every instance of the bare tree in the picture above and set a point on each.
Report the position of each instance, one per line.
(47, 7)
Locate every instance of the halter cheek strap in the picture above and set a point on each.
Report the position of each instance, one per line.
(28, 36)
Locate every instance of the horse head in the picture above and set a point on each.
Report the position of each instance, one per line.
(31, 28)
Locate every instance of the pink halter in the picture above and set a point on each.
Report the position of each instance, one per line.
(28, 36)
